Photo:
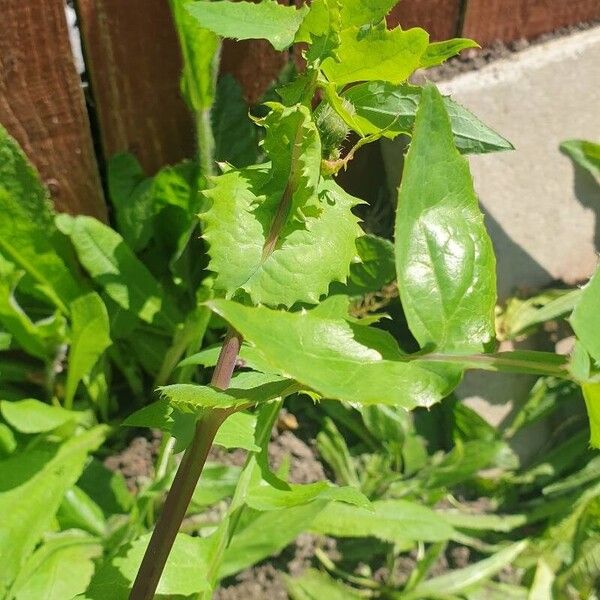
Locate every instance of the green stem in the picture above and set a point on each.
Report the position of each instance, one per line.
(186, 479)
(205, 142)
(228, 526)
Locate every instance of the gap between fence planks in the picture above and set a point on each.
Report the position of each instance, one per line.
(42, 104)
(134, 62)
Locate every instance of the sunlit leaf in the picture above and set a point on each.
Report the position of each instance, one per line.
(376, 54)
(586, 317)
(90, 337)
(33, 485)
(585, 154)
(439, 52)
(444, 256)
(28, 236)
(390, 110)
(244, 20)
(337, 360)
(389, 520)
(113, 266)
(34, 416)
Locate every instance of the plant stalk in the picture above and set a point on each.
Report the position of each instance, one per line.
(186, 478)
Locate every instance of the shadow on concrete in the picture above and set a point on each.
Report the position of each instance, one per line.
(587, 191)
(516, 269)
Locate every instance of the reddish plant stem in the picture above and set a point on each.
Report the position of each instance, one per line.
(186, 478)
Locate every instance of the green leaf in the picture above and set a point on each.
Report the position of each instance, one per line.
(35, 338)
(90, 337)
(373, 269)
(79, 511)
(462, 463)
(390, 110)
(8, 443)
(541, 587)
(185, 569)
(33, 485)
(483, 522)
(315, 585)
(280, 234)
(200, 50)
(439, 52)
(444, 256)
(238, 432)
(376, 54)
(585, 154)
(33, 416)
(115, 268)
(532, 362)
(266, 534)
(154, 211)
(523, 315)
(389, 520)
(106, 487)
(61, 568)
(585, 319)
(245, 388)
(320, 29)
(266, 497)
(459, 580)
(5, 339)
(157, 415)
(244, 20)
(329, 356)
(216, 483)
(364, 12)
(28, 236)
(591, 394)
(128, 191)
(234, 132)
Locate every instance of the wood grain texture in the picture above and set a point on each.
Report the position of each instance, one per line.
(133, 60)
(507, 20)
(42, 104)
(254, 64)
(439, 17)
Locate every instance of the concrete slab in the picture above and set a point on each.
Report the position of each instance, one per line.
(542, 214)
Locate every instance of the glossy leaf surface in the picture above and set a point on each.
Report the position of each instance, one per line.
(391, 110)
(444, 257)
(336, 360)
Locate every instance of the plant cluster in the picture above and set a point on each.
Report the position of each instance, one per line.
(255, 236)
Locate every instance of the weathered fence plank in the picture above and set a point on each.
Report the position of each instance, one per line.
(439, 17)
(506, 20)
(133, 63)
(42, 104)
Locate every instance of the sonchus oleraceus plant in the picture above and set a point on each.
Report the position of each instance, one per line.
(282, 240)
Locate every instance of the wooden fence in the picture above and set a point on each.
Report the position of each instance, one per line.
(133, 63)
